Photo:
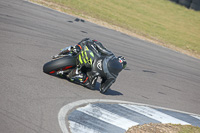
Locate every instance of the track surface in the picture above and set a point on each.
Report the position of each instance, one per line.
(30, 100)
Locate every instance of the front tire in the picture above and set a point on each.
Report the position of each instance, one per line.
(59, 64)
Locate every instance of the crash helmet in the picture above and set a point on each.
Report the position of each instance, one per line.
(116, 65)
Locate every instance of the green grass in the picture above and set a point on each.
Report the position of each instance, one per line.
(160, 20)
(189, 129)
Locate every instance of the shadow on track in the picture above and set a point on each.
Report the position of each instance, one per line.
(97, 86)
(109, 91)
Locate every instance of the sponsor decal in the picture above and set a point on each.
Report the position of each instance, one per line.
(120, 60)
(99, 64)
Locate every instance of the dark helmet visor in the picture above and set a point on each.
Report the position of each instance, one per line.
(114, 66)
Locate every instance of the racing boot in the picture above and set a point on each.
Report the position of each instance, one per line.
(79, 78)
(73, 75)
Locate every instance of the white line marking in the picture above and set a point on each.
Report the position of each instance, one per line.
(78, 128)
(107, 116)
(154, 114)
(195, 116)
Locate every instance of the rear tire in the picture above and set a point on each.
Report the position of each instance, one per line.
(59, 64)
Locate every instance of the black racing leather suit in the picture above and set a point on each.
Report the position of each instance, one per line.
(104, 64)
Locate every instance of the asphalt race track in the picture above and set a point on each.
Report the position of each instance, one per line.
(30, 100)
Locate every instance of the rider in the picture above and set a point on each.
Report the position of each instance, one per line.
(93, 61)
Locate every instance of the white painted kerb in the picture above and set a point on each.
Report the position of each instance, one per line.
(65, 109)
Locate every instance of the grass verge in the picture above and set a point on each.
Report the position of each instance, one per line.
(163, 128)
(159, 21)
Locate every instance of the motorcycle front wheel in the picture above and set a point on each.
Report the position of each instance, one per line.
(63, 63)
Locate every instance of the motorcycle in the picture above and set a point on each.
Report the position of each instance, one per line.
(63, 64)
